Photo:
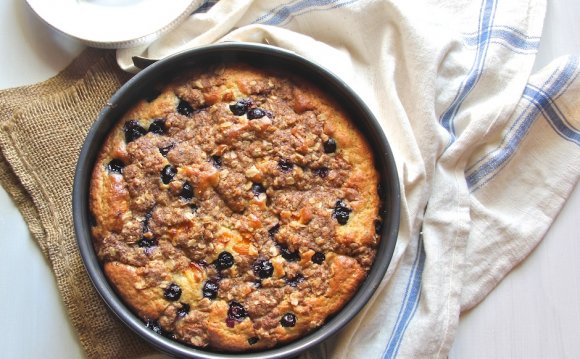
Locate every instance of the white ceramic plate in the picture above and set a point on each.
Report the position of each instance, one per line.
(114, 23)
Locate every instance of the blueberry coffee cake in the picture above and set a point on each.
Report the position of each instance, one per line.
(235, 208)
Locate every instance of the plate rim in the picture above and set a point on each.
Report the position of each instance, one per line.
(146, 37)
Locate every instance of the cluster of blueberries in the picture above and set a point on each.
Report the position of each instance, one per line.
(262, 268)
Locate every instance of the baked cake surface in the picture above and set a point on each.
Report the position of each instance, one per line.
(235, 208)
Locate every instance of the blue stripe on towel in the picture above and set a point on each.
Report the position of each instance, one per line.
(508, 37)
(484, 35)
(282, 13)
(413, 289)
(410, 303)
(541, 100)
(551, 112)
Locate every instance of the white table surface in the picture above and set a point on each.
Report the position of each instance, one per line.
(533, 313)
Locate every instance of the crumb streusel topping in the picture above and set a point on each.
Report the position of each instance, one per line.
(235, 208)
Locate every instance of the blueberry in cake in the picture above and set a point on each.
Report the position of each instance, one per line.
(236, 209)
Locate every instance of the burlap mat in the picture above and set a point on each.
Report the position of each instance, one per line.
(42, 128)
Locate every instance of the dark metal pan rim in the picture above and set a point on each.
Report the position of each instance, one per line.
(253, 53)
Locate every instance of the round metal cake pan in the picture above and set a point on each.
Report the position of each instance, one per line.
(257, 55)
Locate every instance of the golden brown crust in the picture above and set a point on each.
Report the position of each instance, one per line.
(236, 210)
(147, 300)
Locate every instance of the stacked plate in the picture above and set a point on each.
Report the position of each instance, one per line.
(114, 23)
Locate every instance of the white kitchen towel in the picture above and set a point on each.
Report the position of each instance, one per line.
(487, 153)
